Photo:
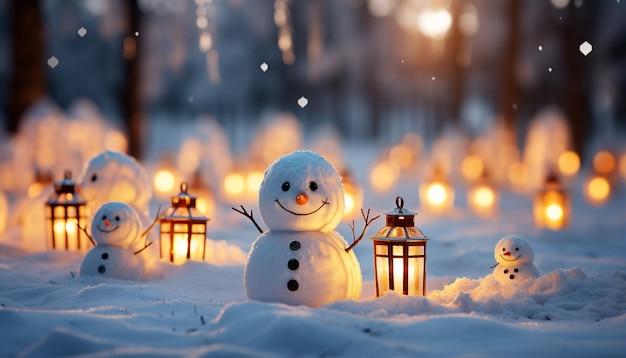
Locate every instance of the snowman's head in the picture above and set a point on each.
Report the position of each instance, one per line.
(114, 176)
(301, 191)
(513, 250)
(116, 224)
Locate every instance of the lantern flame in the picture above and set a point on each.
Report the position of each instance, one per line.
(436, 194)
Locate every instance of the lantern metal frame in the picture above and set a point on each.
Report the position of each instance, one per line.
(62, 208)
(182, 219)
(400, 239)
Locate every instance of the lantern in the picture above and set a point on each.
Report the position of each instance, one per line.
(482, 197)
(552, 205)
(400, 254)
(65, 216)
(436, 193)
(182, 229)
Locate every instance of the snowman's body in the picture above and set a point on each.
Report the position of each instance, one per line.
(301, 260)
(116, 229)
(308, 268)
(515, 260)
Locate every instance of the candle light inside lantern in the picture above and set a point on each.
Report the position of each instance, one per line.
(597, 190)
(65, 211)
(436, 194)
(552, 206)
(183, 229)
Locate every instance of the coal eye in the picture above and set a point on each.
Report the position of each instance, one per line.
(517, 249)
(94, 177)
(117, 218)
(286, 186)
(104, 217)
(503, 249)
(313, 186)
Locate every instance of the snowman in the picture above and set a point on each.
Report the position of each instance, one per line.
(514, 258)
(115, 229)
(114, 176)
(301, 260)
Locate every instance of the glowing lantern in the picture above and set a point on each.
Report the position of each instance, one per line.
(472, 167)
(436, 194)
(597, 190)
(183, 229)
(483, 198)
(400, 254)
(43, 179)
(383, 176)
(353, 196)
(65, 212)
(604, 162)
(234, 184)
(552, 206)
(569, 163)
(4, 211)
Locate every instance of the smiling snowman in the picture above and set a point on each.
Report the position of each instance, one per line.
(301, 260)
(514, 258)
(115, 229)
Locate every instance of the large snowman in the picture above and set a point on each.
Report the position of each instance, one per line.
(115, 229)
(114, 176)
(514, 258)
(301, 260)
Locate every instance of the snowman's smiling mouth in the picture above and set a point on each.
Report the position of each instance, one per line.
(515, 259)
(107, 231)
(325, 202)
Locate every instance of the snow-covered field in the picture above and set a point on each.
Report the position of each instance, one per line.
(577, 307)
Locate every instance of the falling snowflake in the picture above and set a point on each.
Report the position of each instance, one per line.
(302, 102)
(136, 33)
(190, 99)
(540, 48)
(82, 32)
(264, 67)
(549, 69)
(53, 62)
(433, 78)
(585, 48)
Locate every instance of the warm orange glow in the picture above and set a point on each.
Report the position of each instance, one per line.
(436, 194)
(554, 212)
(234, 184)
(604, 162)
(484, 197)
(116, 141)
(35, 189)
(598, 190)
(622, 166)
(383, 177)
(349, 200)
(164, 181)
(434, 23)
(206, 206)
(253, 181)
(569, 163)
(401, 155)
(180, 248)
(472, 167)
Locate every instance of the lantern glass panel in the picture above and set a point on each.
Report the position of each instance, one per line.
(416, 272)
(416, 250)
(398, 250)
(382, 263)
(381, 250)
(398, 274)
(181, 227)
(198, 228)
(165, 228)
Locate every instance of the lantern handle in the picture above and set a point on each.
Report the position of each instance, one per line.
(367, 223)
(249, 216)
(184, 187)
(399, 203)
(67, 175)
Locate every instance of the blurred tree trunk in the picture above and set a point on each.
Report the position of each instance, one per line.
(133, 110)
(457, 68)
(27, 83)
(509, 90)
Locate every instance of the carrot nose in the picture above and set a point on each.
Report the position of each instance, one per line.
(302, 199)
(107, 223)
(507, 254)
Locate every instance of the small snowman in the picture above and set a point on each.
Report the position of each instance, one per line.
(301, 260)
(115, 230)
(514, 258)
(114, 176)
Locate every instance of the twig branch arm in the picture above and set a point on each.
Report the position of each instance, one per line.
(368, 221)
(249, 216)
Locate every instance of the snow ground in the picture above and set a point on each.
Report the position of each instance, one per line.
(576, 308)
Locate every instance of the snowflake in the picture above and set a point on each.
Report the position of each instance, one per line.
(302, 102)
(585, 48)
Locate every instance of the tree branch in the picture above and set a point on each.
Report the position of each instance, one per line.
(249, 216)
(367, 223)
(86, 233)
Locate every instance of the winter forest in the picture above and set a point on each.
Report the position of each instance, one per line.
(313, 178)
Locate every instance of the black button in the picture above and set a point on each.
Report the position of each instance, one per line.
(102, 269)
(516, 270)
(295, 245)
(293, 264)
(105, 256)
(512, 277)
(506, 271)
(292, 285)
